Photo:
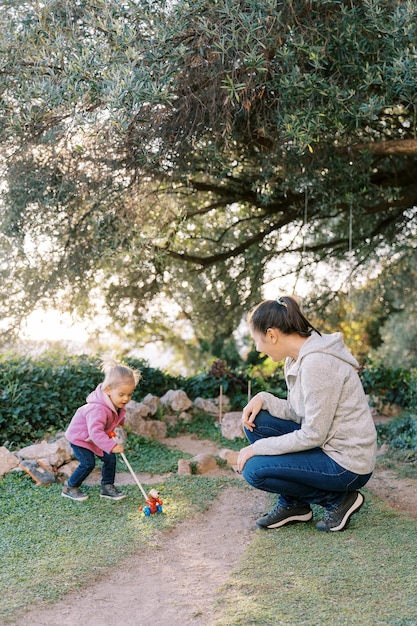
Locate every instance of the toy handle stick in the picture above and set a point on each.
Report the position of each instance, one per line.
(113, 435)
(134, 475)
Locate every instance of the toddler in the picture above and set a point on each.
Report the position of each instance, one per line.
(90, 428)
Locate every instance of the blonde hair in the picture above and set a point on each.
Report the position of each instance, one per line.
(116, 374)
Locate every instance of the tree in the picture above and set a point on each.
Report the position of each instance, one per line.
(168, 150)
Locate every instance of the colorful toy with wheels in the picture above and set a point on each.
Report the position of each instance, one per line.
(153, 503)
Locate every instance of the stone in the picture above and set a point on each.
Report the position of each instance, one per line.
(204, 463)
(230, 456)
(56, 453)
(231, 425)
(8, 461)
(136, 409)
(206, 405)
(38, 474)
(151, 429)
(153, 402)
(177, 400)
(184, 467)
(67, 469)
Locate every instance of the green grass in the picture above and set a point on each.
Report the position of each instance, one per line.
(50, 545)
(294, 576)
(297, 576)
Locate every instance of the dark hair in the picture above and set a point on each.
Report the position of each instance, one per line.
(283, 314)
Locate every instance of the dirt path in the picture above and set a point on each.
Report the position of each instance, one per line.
(174, 582)
(178, 579)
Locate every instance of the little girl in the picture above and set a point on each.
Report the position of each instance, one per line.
(89, 430)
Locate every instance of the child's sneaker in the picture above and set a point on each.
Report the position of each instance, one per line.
(74, 493)
(110, 491)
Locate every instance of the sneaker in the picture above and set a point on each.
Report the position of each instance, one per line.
(110, 491)
(281, 515)
(74, 493)
(338, 518)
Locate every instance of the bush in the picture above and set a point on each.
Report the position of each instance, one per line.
(391, 384)
(40, 395)
(400, 433)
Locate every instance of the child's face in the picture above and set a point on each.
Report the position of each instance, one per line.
(121, 395)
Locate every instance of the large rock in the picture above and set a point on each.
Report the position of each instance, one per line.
(55, 454)
(231, 425)
(206, 405)
(204, 463)
(153, 402)
(151, 429)
(136, 409)
(230, 456)
(177, 400)
(8, 461)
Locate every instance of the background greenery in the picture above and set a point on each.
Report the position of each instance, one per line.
(39, 395)
(162, 162)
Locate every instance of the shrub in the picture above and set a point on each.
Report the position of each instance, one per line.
(393, 385)
(400, 433)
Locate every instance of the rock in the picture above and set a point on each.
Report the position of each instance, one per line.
(184, 467)
(67, 469)
(231, 425)
(136, 422)
(8, 461)
(204, 463)
(56, 453)
(153, 402)
(177, 400)
(206, 405)
(40, 475)
(230, 456)
(151, 429)
(136, 410)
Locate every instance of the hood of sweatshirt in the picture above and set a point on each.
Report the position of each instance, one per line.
(331, 344)
(98, 396)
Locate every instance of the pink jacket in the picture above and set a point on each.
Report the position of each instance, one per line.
(92, 423)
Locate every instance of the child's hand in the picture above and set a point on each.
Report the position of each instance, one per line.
(118, 448)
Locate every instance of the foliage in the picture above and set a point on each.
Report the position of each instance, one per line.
(378, 318)
(390, 385)
(160, 152)
(40, 395)
(37, 396)
(400, 433)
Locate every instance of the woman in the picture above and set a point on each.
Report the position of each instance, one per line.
(319, 445)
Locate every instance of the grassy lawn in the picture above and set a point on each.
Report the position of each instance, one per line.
(297, 576)
(293, 576)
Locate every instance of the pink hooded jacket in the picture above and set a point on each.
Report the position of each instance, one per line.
(92, 423)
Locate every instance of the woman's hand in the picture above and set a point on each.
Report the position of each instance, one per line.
(250, 411)
(244, 455)
(118, 448)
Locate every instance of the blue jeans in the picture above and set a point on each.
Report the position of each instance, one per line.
(310, 476)
(87, 461)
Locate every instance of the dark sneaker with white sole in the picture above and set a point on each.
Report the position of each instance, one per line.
(338, 518)
(281, 515)
(110, 491)
(74, 493)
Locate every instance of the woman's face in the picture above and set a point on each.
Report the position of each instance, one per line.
(270, 343)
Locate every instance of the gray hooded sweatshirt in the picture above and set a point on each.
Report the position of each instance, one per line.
(325, 396)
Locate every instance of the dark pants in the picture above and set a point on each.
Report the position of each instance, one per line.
(87, 461)
(310, 476)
